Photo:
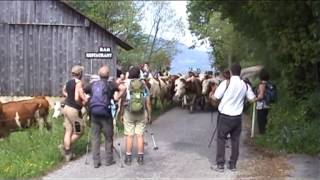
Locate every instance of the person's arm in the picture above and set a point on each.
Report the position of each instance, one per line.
(250, 95)
(120, 92)
(220, 91)
(64, 91)
(79, 94)
(262, 89)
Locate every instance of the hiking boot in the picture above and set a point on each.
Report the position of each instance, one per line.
(69, 155)
(219, 168)
(231, 166)
(96, 164)
(128, 159)
(140, 159)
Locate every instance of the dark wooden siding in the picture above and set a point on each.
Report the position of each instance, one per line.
(39, 43)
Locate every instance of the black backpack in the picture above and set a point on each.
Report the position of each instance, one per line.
(271, 95)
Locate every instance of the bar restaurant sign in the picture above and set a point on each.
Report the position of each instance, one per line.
(103, 53)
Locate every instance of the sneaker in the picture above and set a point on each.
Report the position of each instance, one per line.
(128, 159)
(140, 159)
(219, 168)
(231, 167)
(109, 163)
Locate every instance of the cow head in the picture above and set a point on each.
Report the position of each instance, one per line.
(56, 109)
(179, 89)
(208, 85)
(205, 86)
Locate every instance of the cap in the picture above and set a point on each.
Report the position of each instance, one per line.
(77, 69)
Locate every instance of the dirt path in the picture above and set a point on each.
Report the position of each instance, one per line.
(183, 153)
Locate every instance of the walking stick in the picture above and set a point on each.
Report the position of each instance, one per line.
(87, 150)
(214, 131)
(155, 147)
(115, 114)
(253, 119)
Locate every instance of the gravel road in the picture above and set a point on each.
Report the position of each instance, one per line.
(183, 153)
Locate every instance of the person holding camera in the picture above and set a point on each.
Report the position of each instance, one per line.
(73, 123)
(231, 94)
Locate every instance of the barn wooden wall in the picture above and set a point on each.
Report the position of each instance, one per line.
(39, 43)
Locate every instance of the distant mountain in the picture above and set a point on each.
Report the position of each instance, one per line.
(187, 58)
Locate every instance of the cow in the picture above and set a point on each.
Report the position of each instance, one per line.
(188, 90)
(208, 85)
(22, 114)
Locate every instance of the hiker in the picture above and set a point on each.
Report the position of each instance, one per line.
(262, 106)
(136, 105)
(101, 92)
(231, 95)
(73, 123)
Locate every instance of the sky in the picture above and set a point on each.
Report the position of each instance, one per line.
(180, 8)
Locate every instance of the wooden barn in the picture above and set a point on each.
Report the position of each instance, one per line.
(41, 40)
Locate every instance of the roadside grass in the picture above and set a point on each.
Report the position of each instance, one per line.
(31, 153)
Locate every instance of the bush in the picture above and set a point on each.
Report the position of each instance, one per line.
(293, 125)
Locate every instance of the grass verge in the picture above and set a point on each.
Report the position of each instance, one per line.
(31, 153)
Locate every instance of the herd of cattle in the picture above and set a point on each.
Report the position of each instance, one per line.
(190, 91)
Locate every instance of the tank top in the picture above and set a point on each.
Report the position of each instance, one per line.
(70, 100)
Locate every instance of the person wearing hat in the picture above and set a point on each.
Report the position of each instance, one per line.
(75, 99)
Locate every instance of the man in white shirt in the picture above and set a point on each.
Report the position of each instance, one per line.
(232, 94)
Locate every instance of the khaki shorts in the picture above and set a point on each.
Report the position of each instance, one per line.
(134, 123)
(71, 115)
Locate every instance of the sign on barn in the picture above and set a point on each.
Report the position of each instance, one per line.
(42, 40)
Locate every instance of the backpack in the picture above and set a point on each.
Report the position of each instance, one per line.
(100, 102)
(271, 95)
(136, 101)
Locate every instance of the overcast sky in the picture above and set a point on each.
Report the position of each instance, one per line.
(180, 8)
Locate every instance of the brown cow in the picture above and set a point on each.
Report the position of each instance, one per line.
(22, 114)
(188, 91)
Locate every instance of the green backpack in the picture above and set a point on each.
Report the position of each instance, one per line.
(136, 102)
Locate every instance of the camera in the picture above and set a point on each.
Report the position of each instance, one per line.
(77, 127)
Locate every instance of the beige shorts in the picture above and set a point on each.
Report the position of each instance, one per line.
(71, 115)
(134, 123)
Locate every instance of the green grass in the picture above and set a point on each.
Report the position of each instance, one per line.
(31, 153)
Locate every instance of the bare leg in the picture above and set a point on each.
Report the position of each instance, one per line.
(129, 142)
(140, 144)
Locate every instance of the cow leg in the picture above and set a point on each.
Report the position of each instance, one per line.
(40, 120)
(192, 102)
(17, 119)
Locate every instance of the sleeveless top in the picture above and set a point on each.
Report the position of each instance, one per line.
(261, 104)
(70, 100)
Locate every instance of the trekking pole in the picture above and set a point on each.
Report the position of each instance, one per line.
(214, 131)
(213, 134)
(115, 115)
(87, 150)
(253, 119)
(155, 147)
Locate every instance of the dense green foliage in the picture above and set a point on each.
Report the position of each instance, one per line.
(284, 37)
(123, 19)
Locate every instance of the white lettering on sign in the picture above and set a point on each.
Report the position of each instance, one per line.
(99, 55)
(103, 53)
(104, 49)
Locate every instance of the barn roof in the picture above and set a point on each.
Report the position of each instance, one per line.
(120, 42)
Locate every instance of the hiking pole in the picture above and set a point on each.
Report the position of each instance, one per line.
(253, 119)
(115, 114)
(155, 147)
(214, 133)
(87, 150)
